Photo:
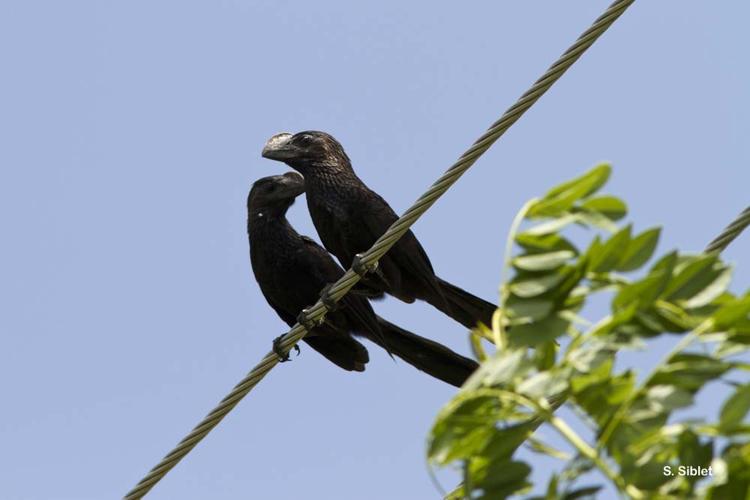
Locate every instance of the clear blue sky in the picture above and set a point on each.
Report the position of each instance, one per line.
(131, 132)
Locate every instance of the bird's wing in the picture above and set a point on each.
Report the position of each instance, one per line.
(286, 313)
(323, 270)
(407, 260)
(322, 256)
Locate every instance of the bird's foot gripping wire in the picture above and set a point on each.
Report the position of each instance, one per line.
(279, 351)
(326, 299)
(361, 268)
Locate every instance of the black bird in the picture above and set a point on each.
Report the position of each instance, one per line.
(292, 270)
(350, 217)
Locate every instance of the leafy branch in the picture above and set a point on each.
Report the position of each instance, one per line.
(546, 354)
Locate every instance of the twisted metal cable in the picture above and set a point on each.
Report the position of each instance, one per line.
(730, 233)
(315, 314)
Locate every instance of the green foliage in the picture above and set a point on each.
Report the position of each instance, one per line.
(547, 356)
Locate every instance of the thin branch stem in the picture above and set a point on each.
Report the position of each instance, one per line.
(498, 327)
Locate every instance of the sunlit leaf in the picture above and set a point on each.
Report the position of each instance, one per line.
(561, 198)
(690, 371)
(647, 290)
(462, 428)
(590, 355)
(595, 220)
(715, 289)
(639, 250)
(533, 243)
(668, 397)
(499, 369)
(545, 356)
(732, 312)
(539, 446)
(606, 257)
(543, 384)
(549, 227)
(524, 309)
(538, 332)
(543, 261)
(610, 206)
(535, 285)
(693, 276)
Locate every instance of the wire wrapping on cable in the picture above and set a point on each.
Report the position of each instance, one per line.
(369, 258)
(730, 233)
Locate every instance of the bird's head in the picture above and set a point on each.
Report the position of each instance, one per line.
(307, 151)
(275, 194)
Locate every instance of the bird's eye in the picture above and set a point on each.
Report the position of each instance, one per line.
(305, 140)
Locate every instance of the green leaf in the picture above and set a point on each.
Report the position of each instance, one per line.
(604, 258)
(691, 451)
(543, 243)
(525, 287)
(590, 355)
(498, 479)
(545, 356)
(641, 293)
(599, 374)
(552, 488)
(675, 319)
(712, 291)
(560, 199)
(543, 385)
(699, 276)
(599, 393)
(646, 291)
(610, 206)
(735, 408)
(587, 184)
(457, 494)
(550, 227)
(732, 312)
(462, 428)
(507, 439)
(690, 371)
(665, 398)
(731, 474)
(533, 334)
(543, 261)
(596, 220)
(500, 369)
(575, 468)
(528, 310)
(538, 446)
(639, 250)
(585, 492)
(666, 317)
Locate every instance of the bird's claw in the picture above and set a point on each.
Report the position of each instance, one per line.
(277, 349)
(361, 268)
(326, 299)
(308, 323)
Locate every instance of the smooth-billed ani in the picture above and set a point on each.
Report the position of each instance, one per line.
(291, 270)
(350, 217)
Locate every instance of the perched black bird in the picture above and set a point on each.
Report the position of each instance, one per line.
(292, 269)
(350, 217)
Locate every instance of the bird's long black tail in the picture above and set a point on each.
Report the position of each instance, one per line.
(462, 306)
(431, 357)
(345, 352)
